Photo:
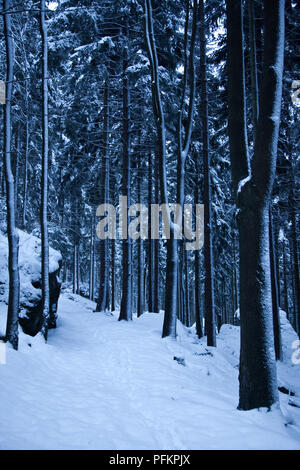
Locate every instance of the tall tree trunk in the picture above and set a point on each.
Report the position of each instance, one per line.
(255, 113)
(210, 316)
(258, 386)
(140, 247)
(198, 311)
(104, 199)
(169, 327)
(26, 150)
(44, 184)
(126, 301)
(156, 244)
(12, 233)
(183, 145)
(150, 252)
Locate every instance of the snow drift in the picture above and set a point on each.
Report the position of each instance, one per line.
(30, 280)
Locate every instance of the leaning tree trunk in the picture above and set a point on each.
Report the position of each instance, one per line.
(169, 328)
(258, 386)
(183, 145)
(171, 305)
(12, 233)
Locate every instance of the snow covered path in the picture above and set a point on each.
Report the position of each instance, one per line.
(104, 384)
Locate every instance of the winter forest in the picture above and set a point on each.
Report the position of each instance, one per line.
(149, 224)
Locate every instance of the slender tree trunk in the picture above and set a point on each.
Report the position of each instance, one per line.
(294, 246)
(78, 269)
(235, 283)
(12, 233)
(253, 62)
(126, 301)
(25, 182)
(274, 285)
(44, 184)
(104, 198)
(140, 247)
(150, 241)
(292, 281)
(210, 316)
(16, 168)
(183, 145)
(285, 283)
(258, 386)
(198, 311)
(187, 289)
(181, 292)
(91, 272)
(156, 245)
(277, 262)
(113, 275)
(169, 328)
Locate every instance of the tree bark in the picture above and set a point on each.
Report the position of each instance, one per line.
(156, 244)
(258, 386)
(12, 233)
(274, 286)
(171, 301)
(294, 244)
(104, 198)
(150, 251)
(253, 62)
(92, 259)
(210, 315)
(126, 301)
(140, 247)
(44, 184)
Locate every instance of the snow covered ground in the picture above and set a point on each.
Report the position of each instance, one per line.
(104, 384)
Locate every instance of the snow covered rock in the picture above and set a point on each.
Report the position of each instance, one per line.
(30, 316)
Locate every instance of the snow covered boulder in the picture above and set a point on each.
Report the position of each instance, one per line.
(30, 316)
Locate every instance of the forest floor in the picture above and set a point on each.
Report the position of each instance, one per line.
(103, 384)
